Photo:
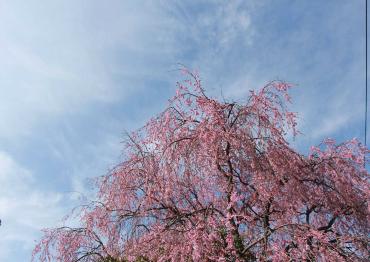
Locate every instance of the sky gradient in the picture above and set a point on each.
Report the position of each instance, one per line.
(75, 75)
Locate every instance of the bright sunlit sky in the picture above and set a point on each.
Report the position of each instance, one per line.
(75, 75)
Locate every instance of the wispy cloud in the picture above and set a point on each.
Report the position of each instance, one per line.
(58, 58)
(24, 209)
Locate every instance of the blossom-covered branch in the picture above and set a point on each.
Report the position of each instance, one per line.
(217, 181)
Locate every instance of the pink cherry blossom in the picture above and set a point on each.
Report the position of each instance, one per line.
(217, 181)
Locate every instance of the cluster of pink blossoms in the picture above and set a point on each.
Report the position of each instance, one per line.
(217, 181)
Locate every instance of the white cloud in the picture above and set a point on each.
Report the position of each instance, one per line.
(24, 210)
(63, 57)
(211, 32)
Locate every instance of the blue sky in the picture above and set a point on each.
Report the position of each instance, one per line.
(74, 75)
